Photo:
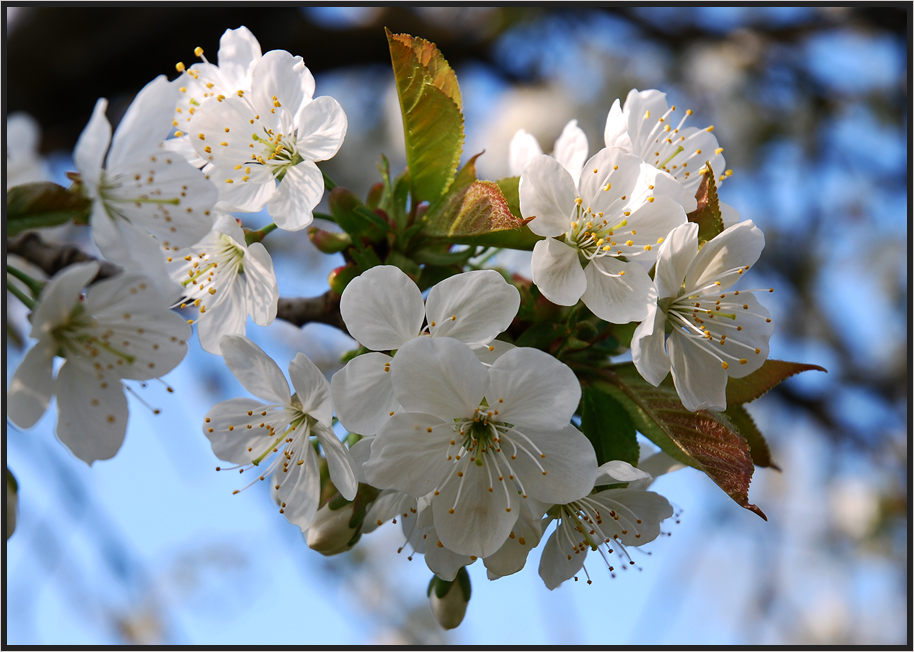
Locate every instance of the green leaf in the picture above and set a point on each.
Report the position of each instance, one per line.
(43, 204)
(510, 188)
(364, 258)
(352, 215)
(704, 440)
(770, 374)
(432, 121)
(608, 427)
(758, 447)
(405, 263)
(439, 254)
(540, 336)
(707, 214)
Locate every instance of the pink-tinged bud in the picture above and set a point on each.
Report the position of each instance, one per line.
(340, 277)
(328, 242)
(449, 600)
(330, 533)
(374, 195)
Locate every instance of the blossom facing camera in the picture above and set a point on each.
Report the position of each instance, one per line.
(697, 328)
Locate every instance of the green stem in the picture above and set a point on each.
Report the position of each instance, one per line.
(22, 296)
(257, 236)
(329, 183)
(35, 286)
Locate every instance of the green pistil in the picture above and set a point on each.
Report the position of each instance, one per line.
(142, 200)
(270, 449)
(196, 276)
(110, 349)
(583, 528)
(672, 156)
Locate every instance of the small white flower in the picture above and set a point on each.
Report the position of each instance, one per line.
(613, 517)
(648, 127)
(698, 328)
(247, 432)
(274, 133)
(481, 440)
(570, 150)
(383, 309)
(122, 330)
(612, 221)
(227, 280)
(143, 193)
(23, 162)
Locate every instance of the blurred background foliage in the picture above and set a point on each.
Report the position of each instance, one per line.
(811, 105)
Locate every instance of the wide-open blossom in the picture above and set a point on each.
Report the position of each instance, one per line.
(481, 440)
(277, 433)
(144, 197)
(570, 150)
(123, 329)
(611, 224)
(227, 280)
(274, 133)
(601, 521)
(697, 327)
(383, 310)
(650, 128)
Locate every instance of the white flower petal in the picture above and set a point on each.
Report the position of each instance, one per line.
(255, 370)
(363, 394)
(632, 506)
(322, 126)
(739, 246)
(296, 196)
(343, 471)
(240, 445)
(472, 307)
(700, 380)
(389, 505)
(360, 452)
(239, 51)
(93, 142)
(91, 412)
(570, 463)
(675, 255)
(547, 193)
(648, 347)
(443, 562)
(522, 148)
(262, 292)
(617, 174)
(615, 133)
(478, 521)
(618, 299)
(32, 386)
(225, 318)
(531, 388)
(729, 215)
(145, 125)
(558, 564)
(492, 351)
(406, 457)
(299, 488)
(665, 185)
(643, 109)
(571, 149)
(756, 331)
(281, 75)
(439, 376)
(512, 556)
(557, 272)
(619, 471)
(60, 296)
(382, 308)
(653, 222)
(311, 388)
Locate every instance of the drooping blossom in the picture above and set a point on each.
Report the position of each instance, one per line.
(696, 326)
(610, 223)
(123, 329)
(383, 310)
(481, 440)
(612, 517)
(278, 432)
(227, 280)
(570, 150)
(274, 133)
(144, 196)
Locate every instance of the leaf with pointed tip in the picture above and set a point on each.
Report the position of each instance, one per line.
(707, 215)
(432, 120)
(43, 204)
(704, 440)
(770, 374)
(758, 447)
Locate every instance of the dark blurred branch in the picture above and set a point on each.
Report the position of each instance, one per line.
(324, 309)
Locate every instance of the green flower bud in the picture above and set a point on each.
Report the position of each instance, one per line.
(449, 600)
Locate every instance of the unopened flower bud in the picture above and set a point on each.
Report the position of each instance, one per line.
(329, 242)
(330, 533)
(449, 600)
(339, 278)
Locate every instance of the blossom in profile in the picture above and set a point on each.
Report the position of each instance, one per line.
(144, 197)
(601, 521)
(570, 150)
(697, 327)
(227, 280)
(261, 146)
(122, 329)
(481, 440)
(383, 309)
(601, 234)
(276, 430)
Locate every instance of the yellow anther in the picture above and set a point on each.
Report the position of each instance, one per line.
(728, 173)
(688, 111)
(622, 273)
(220, 97)
(698, 151)
(629, 243)
(198, 51)
(647, 247)
(183, 89)
(240, 93)
(650, 199)
(724, 365)
(178, 134)
(711, 128)
(659, 240)
(207, 149)
(647, 114)
(209, 84)
(212, 290)
(224, 144)
(180, 67)
(595, 170)
(229, 181)
(201, 136)
(238, 167)
(607, 248)
(718, 150)
(226, 130)
(605, 188)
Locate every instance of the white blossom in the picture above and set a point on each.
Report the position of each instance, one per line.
(696, 327)
(123, 329)
(383, 309)
(610, 223)
(247, 432)
(570, 150)
(481, 440)
(23, 162)
(227, 280)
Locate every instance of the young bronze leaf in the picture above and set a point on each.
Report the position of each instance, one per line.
(770, 374)
(432, 120)
(758, 447)
(42, 204)
(707, 214)
(704, 440)
(472, 210)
